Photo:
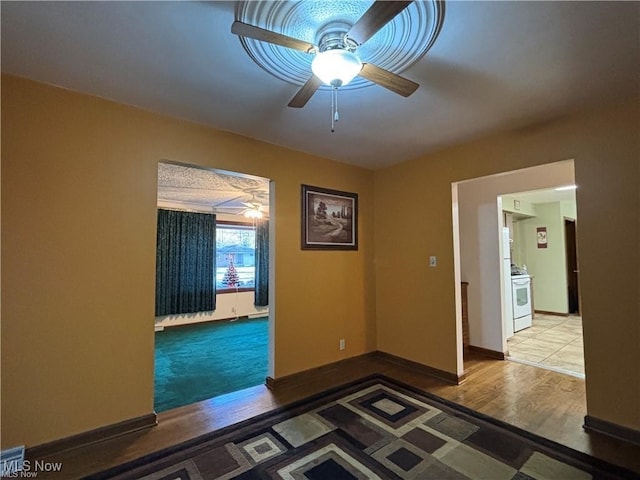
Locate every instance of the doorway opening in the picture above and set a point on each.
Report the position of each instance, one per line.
(542, 255)
(224, 343)
(573, 290)
(496, 308)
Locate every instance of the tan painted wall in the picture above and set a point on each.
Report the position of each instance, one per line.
(415, 305)
(78, 257)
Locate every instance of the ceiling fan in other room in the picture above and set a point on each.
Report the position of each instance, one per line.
(253, 210)
(336, 61)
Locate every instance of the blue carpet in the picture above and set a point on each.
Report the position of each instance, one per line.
(201, 361)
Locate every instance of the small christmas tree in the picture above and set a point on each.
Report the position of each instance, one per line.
(231, 278)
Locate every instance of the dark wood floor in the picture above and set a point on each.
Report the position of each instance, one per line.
(547, 403)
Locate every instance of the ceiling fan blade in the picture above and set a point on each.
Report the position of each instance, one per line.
(230, 200)
(257, 33)
(389, 80)
(306, 92)
(378, 15)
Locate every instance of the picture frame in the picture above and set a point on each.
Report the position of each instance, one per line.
(329, 219)
(541, 237)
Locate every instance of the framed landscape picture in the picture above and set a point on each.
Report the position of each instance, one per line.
(329, 219)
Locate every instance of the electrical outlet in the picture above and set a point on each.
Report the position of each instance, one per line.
(342, 344)
(433, 261)
(233, 310)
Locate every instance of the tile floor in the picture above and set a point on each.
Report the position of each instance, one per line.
(552, 342)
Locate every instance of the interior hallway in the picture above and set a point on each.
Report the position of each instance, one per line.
(552, 342)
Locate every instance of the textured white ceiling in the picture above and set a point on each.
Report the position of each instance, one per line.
(494, 66)
(190, 187)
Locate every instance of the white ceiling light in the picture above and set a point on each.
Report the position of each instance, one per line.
(253, 214)
(567, 187)
(254, 211)
(336, 67)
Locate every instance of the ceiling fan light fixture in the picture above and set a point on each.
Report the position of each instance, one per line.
(253, 213)
(336, 67)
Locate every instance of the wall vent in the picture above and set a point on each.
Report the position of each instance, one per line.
(11, 461)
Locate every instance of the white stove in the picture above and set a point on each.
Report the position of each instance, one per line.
(521, 294)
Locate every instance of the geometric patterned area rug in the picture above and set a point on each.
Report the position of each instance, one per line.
(375, 428)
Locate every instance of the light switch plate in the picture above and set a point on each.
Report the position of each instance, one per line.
(433, 261)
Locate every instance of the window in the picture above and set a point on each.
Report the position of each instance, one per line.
(235, 257)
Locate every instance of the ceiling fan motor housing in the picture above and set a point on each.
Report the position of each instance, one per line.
(333, 36)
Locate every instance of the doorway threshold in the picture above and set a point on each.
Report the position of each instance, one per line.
(547, 367)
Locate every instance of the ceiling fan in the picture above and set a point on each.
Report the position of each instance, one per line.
(253, 210)
(336, 61)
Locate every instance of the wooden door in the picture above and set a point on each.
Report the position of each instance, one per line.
(572, 266)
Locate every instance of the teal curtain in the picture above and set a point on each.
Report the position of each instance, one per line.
(185, 262)
(262, 264)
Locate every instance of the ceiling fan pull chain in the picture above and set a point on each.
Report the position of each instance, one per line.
(335, 116)
(333, 109)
